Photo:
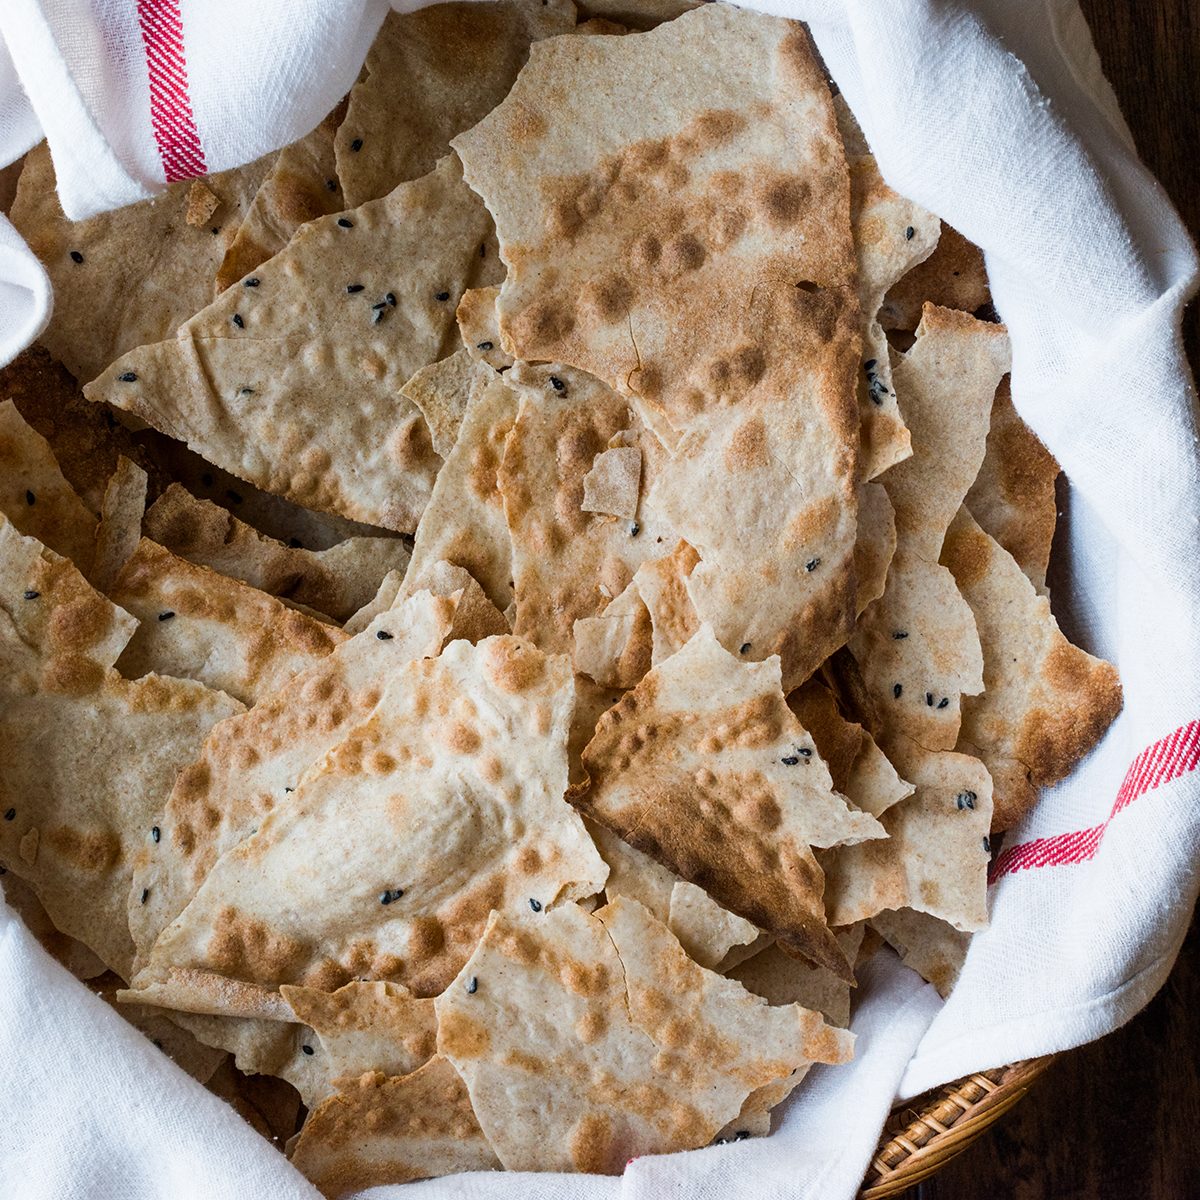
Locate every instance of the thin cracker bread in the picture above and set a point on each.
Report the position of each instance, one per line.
(337, 581)
(442, 391)
(479, 327)
(1045, 702)
(120, 528)
(452, 787)
(199, 624)
(953, 276)
(257, 381)
(429, 75)
(35, 496)
(932, 948)
(141, 271)
(621, 1044)
(703, 767)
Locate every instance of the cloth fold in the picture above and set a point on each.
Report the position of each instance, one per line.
(994, 114)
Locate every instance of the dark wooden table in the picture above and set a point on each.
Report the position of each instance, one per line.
(1120, 1118)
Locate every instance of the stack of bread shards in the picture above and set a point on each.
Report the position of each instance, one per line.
(549, 580)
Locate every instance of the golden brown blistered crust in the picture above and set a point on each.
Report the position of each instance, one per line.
(380, 1130)
(953, 276)
(1046, 703)
(720, 832)
(1013, 497)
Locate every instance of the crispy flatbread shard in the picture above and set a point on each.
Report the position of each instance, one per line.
(247, 766)
(382, 1130)
(858, 768)
(637, 236)
(875, 546)
(337, 581)
(461, 753)
(72, 954)
(464, 523)
(199, 624)
(301, 185)
(703, 767)
(611, 486)
(363, 1027)
(662, 585)
(130, 276)
(614, 648)
(384, 598)
(479, 327)
(891, 235)
(1045, 703)
(777, 529)
(783, 979)
(936, 854)
(948, 380)
(34, 495)
(591, 700)
(193, 1056)
(259, 381)
(85, 439)
(442, 391)
(120, 528)
(567, 562)
(953, 276)
(918, 652)
(76, 775)
(475, 616)
(1013, 498)
(705, 930)
(429, 75)
(621, 1044)
(932, 948)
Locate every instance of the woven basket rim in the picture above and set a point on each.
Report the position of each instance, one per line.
(923, 1134)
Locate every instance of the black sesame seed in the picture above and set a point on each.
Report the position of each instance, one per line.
(288, 790)
(356, 145)
(308, 1050)
(442, 297)
(76, 256)
(251, 282)
(391, 298)
(166, 616)
(483, 345)
(812, 564)
(634, 529)
(929, 699)
(32, 595)
(390, 894)
(145, 895)
(381, 304)
(869, 365)
(215, 230)
(473, 985)
(987, 845)
(536, 905)
(156, 834)
(908, 233)
(896, 690)
(236, 497)
(237, 320)
(11, 815)
(804, 752)
(558, 385)
(345, 224)
(944, 702)
(331, 185)
(295, 543)
(741, 1135)
(720, 1141)
(966, 799)
(383, 635)
(378, 315)
(789, 760)
(246, 392)
(30, 498)
(745, 648)
(899, 635)
(354, 287)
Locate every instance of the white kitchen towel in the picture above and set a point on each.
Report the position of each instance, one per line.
(994, 114)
